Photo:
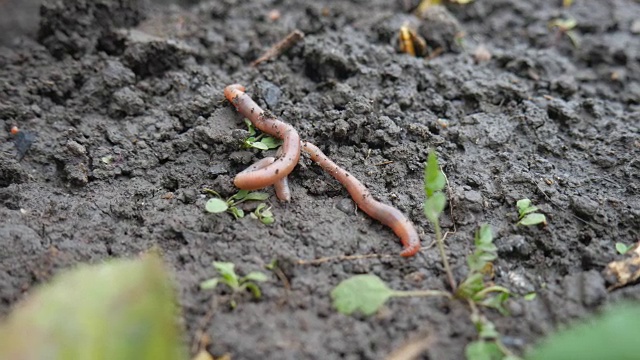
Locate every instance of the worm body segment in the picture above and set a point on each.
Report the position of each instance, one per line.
(290, 154)
(282, 186)
(388, 215)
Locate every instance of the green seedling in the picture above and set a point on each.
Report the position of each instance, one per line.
(623, 248)
(528, 215)
(566, 27)
(474, 287)
(264, 214)
(217, 205)
(259, 141)
(434, 182)
(236, 283)
(367, 293)
(530, 296)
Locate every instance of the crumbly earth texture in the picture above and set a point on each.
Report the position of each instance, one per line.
(126, 101)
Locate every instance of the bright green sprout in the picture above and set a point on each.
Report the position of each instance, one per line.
(260, 141)
(623, 248)
(237, 284)
(217, 205)
(264, 214)
(528, 215)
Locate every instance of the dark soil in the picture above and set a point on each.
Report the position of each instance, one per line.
(131, 125)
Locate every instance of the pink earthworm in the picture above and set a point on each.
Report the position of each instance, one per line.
(270, 174)
(282, 186)
(388, 215)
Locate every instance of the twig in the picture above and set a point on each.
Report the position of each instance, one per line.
(280, 47)
(384, 163)
(340, 258)
(413, 348)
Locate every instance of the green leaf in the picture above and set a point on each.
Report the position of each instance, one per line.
(622, 248)
(434, 206)
(470, 286)
(209, 284)
(255, 289)
(533, 219)
(613, 335)
(237, 212)
(250, 127)
(242, 194)
(257, 145)
(215, 205)
(530, 296)
(270, 142)
(364, 293)
(255, 276)
(483, 350)
(523, 204)
(267, 220)
(226, 270)
(119, 309)
(434, 179)
(484, 235)
(497, 302)
(256, 196)
(528, 210)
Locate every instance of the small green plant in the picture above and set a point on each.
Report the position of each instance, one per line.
(623, 248)
(236, 283)
(260, 141)
(474, 286)
(528, 215)
(217, 205)
(367, 293)
(566, 27)
(434, 182)
(264, 214)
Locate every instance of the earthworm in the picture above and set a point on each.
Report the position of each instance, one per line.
(282, 186)
(272, 173)
(388, 215)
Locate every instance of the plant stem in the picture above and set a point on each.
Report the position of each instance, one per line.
(443, 255)
(421, 293)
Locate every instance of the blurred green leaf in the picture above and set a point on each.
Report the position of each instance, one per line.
(364, 293)
(255, 276)
(209, 284)
(612, 335)
(483, 350)
(226, 270)
(120, 309)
